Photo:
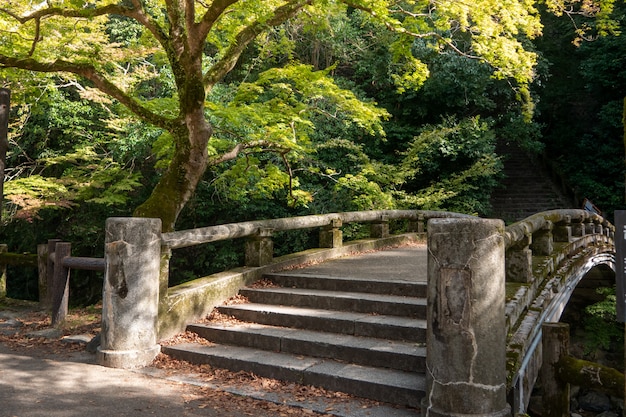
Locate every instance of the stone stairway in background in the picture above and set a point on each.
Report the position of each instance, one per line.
(358, 335)
(526, 189)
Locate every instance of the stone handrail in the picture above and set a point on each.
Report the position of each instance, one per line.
(547, 254)
(184, 238)
(516, 232)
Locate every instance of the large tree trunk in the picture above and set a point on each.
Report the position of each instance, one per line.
(188, 165)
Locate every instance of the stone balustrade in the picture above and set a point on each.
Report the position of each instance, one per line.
(547, 255)
(524, 273)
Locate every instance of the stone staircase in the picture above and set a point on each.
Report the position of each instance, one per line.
(361, 336)
(527, 188)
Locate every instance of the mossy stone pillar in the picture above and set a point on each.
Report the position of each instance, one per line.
(563, 230)
(130, 297)
(578, 227)
(466, 336)
(416, 225)
(260, 248)
(519, 261)
(543, 241)
(331, 236)
(380, 228)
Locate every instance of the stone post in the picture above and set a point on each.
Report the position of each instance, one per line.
(417, 225)
(380, 228)
(556, 393)
(260, 248)
(331, 236)
(466, 336)
(578, 227)
(519, 261)
(130, 298)
(543, 242)
(563, 230)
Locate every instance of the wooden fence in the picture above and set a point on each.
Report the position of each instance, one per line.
(53, 262)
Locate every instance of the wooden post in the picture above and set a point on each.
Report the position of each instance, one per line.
(5, 101)
(50, 270)
(61, 284)
(3, 273)
(42, 274)
(555, 345)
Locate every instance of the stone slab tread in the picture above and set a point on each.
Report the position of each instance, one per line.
(377, 352)
(341, 300)
(398, 387)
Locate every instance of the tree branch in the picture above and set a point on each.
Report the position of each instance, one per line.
(90, 73)
(240, 147)
(247, 35)
(216, 9)
(63, 12)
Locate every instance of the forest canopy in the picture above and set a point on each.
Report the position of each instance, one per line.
(234, 87)
(202, 112)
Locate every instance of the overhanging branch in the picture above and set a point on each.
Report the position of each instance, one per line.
(246, 36)
(90, 73)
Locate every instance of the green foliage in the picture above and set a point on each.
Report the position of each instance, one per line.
(314, 107)
(601, 328)
(581, 107)
(451, 166)
(84, 176)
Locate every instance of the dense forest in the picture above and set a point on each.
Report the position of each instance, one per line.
(241, 110)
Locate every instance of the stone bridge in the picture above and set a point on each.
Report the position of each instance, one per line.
(490, 288)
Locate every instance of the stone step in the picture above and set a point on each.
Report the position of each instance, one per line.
(526, 188)
(348, 284)
(374, 352)
(339, 300)
(343, 322)
(393, 386)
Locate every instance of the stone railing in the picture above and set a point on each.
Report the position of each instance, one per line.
(490, 289)
(136, 294)
(547, 255)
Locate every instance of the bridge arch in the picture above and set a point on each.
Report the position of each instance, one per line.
(572, 245)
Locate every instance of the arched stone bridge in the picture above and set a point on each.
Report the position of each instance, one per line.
(490, 288)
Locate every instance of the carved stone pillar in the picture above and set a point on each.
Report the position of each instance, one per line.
(466, 336)
(563, 230)
(519, 261)
(543, 243)
(130, 298)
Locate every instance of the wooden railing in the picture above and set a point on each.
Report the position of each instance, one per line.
(53, 262)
